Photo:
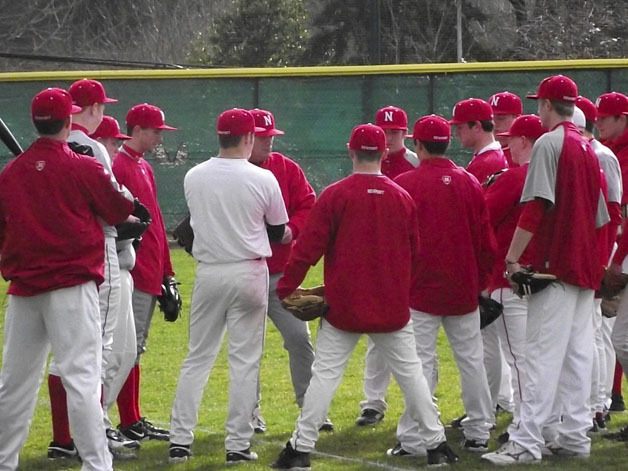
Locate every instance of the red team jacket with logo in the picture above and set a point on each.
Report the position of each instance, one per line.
(365, 226)
(502, 201)
(153, 255)
(566, 240)
(457, 243)
(50, 234)
(298, 196)
(485, 164)
(399, 162)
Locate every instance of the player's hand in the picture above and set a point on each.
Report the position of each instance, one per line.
(512, 268)
(287, 235)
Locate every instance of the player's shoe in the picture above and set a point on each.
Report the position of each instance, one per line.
(400, 452)
(62, 452)
(178, 453)
(503, 438)
(600, 419)
(510, 453)
(259, 424)
(291, 459)
(442, 455)
(476, 446)
(153, 432)
(564, 452)
(144, 430)
(326, 426)
(457, 423)
(120, 446)
(242, 456)
(617, 403)
(369, 417)
(619, 436)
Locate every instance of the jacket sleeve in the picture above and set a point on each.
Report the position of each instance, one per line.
(302, 198)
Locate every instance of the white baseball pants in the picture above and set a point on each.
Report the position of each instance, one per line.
(232, 297)
(465, 340)
(559, 355)
(68, 322)
(333, 349)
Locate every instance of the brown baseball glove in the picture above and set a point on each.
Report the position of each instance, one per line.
(529, 282)
(306, 304)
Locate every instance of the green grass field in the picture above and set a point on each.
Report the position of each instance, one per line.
(348, 448)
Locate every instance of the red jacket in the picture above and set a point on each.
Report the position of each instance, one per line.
(51, 200)
(365, 227)
(298, 196)
(153, 256)
(457, 243)
(486, 164)
(399, 162)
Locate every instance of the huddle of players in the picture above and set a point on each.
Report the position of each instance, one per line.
(438, 277)
(84, 248)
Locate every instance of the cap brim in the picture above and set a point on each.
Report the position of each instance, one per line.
(76, 109)
(392, 127)
(269, 132)
(121, 136)
(110, 100)
(504, 134)
(258, 129)
(165, 127)
(455, 121)
(533, 96)
(409, 136)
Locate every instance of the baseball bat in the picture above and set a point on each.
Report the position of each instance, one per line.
(9, 139)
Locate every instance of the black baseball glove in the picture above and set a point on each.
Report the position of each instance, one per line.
(306, 304)
(135, 229)
(184, 235)
(170, 300)
(490, 310)
(530, 282)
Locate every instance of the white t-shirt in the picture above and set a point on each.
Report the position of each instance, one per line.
(230, 202)
(612, 172)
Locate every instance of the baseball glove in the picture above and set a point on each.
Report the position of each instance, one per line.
(170, 300)
(306, 304)
(184, 235)
(612, 283)
(490, 310)
(530, 282)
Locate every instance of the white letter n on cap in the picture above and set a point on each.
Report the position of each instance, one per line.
(267, 120)
(388, 116)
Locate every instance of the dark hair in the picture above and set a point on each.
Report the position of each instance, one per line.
(129, 130)
(589, 126)
(487, 125)
(227, 141)
(50, 128)
(434, 148)
(368, 155)
(563, 108)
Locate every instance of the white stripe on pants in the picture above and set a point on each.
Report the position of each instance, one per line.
(559, 353)
(67, 320)
(333, 349)
(232, 297)
(598, 371)
(619, 336)
(143, 308)
(465, 340)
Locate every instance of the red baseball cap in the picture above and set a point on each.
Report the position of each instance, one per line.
(431, 128)
(612, 104)
(86, 92)
(52, 104)
(147, 116)
(391, 117)
(265, 120)
(556, 87)
(236, 122)
(526, 125)
(506, 103)
(109, 127)
(367, 137)
(471, 109)
(587, 107)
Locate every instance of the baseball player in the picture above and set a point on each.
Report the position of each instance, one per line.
(558, 346)
(298, 196)
(365, 227)
(585, 114)
(502, 200)
(506, 108)
(91, 97)
(236, 210)
(399, 159)
(48, 195)
(145, 124)
(452, 273)
(612, 119)
(124, 347)
(473, 120)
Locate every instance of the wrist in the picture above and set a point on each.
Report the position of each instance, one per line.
(510, 262)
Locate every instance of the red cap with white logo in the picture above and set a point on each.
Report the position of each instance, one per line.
(108, 128)
(431, 128)
(86, 92)
(506, 103)
(527, 125)
(471, 109)
(266, 121)
(148, 117)
(391, 117)
(612, 104)
(52, 104)
(367, 137)
(588, 108)
(236, 122)
(556, 87)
